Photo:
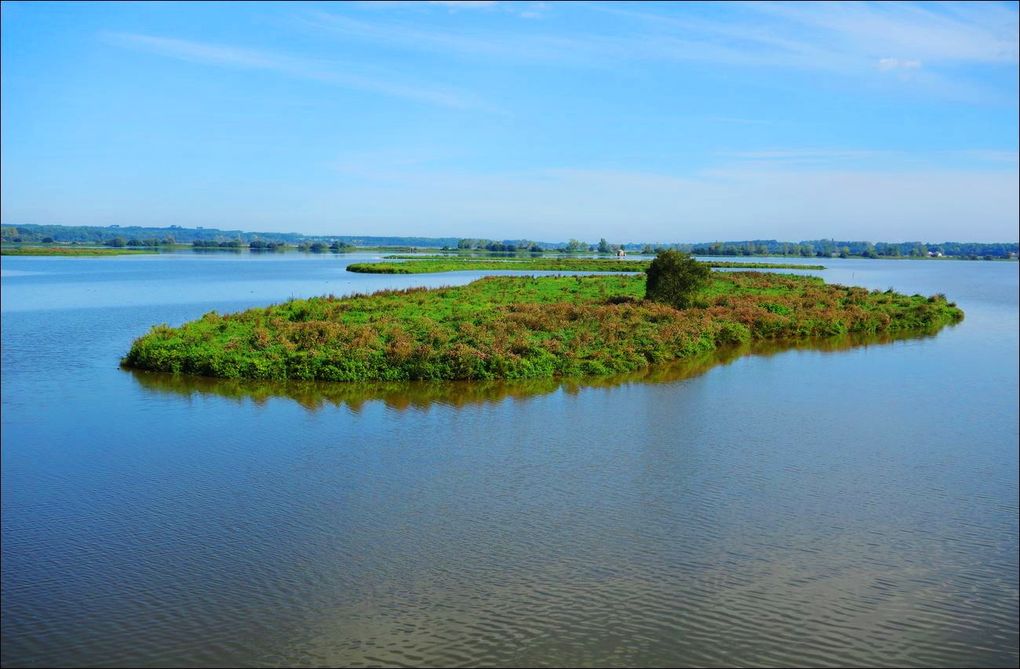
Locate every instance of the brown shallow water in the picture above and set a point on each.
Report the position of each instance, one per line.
(840, 503)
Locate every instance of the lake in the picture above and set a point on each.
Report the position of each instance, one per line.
(845, 504)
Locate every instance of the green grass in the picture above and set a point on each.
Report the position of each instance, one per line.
(522, 327)
(430, 265)
(68, 251)
(421, 394)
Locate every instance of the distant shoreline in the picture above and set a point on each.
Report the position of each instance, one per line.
(175, 237)
(429, 253)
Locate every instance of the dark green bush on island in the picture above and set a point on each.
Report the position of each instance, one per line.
(674, 278)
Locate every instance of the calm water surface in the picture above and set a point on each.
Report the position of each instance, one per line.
(856, 505)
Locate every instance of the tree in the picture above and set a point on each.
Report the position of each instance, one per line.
(604, 246)
(674, 278)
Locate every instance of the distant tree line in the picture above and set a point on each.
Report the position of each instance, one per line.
(213, 244)
(100, 235)
(322, 247)
(118, 242)
(505, 246)
(827, 248)
(262, 245)
(529, 246)
(207, 238)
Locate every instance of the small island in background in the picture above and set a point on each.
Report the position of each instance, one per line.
(433, 264)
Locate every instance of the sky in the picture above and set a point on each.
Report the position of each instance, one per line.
(637, 122)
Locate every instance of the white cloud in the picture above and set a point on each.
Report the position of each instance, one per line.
(846, 39)
(886, 64)
(943, 32)
(804, 155)
(990, 155)
(460, 41)
(332, 73)
(464, 4)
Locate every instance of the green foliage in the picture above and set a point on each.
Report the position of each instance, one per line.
(433, 264)
(67, 251)
(259, 245)
(826, 248)
(521, 327)
(203, 244)
(674, 278)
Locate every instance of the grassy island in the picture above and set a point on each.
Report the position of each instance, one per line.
(67, 251)
(433, 264)
(523, 327)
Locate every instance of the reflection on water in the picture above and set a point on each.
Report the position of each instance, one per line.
(402, 395)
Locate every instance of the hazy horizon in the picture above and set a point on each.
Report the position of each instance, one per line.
(634, 122)
(501, 238)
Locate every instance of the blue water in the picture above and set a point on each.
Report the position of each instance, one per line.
(808, 507)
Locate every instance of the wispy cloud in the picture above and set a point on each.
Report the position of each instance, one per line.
(810, 156)
(464, 4)
(992, 156)
(816, 158)
(845, 38)
(855, 40)
(332, 73)
(937, 32)
(886, 64)
(459, 41)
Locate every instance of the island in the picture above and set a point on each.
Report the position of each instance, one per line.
(434, 264)
(68, 251)
(519, 327)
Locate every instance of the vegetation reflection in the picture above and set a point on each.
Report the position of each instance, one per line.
(420, 395)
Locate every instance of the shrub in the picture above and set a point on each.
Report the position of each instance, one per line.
(674, 278)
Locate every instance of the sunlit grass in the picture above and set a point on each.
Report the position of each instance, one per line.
(522, 327)
(429, 265)
(70, 251)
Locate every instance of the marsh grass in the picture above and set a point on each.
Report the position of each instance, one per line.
(68, 251)
(430, 265)
(422, 394)
(521, 328)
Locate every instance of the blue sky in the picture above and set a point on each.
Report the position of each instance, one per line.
(631, 121)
